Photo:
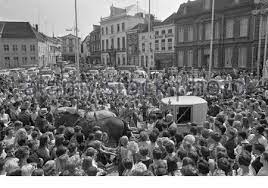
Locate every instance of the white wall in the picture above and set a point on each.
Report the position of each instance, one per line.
(11, 54)
(130, 22)
(167, 36)
(146, 38)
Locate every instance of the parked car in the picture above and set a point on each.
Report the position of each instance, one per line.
(4, 72)
(33, 71)
(93, 72)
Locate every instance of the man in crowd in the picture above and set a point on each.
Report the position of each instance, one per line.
(231, 142)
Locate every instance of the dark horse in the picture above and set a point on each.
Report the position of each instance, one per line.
(107, 121)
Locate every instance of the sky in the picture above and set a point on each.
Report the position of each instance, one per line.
(55, 16)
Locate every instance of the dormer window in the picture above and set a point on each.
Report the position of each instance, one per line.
(185, 10)
(207, 4)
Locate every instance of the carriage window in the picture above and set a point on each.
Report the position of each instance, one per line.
(184, 115)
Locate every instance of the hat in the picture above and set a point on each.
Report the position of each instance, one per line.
(43, 112)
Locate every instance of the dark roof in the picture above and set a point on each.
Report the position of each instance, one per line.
(139, 26)
(191, 7)
(96, 29)
(69, 35)
(17, 30)
(40, 36)
(196, 7)
(169, 20)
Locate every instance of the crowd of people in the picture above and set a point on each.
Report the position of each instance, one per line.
(231, 142)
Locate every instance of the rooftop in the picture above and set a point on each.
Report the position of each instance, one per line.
(169, 20)
(197, 6)
(69, 35)
(17, 30)
(23, 30)
(116, 12)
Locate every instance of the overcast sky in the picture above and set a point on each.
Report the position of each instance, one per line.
(58, 15)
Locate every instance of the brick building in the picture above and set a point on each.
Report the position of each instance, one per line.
(22, 45)
(165, 42)
(69, 47)
(114, 30)
(133, 44)
(95, 46)
(235, 34)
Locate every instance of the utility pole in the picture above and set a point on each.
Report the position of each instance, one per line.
(265, 48)
(149, 31)
(211, 39)
(137, 6)
(259, 46)
(77, 44)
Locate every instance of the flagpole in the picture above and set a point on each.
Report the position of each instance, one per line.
(265, 48)
(77, 43)
(259, 45)
(149, 30)
(211, 39)
(77, 56)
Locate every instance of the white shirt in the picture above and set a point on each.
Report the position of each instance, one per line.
(150, 126)
(5, 118)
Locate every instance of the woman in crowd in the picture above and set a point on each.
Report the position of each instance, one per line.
(232, 142)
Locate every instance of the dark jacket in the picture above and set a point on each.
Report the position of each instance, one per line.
(42, 124)
(230, 146)
(25, 118)
(257, 165)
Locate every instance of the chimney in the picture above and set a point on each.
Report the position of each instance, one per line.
(36, 27)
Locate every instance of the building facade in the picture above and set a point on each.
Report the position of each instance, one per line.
(164, 43)
(95, 46)
(114, 36)
(69, 47)
(236, 31)
(54, 50)
(133, 44)
(85, 51)
(146, 49)
(21, 45)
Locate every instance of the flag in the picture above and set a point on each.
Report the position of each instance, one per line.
(69, 30)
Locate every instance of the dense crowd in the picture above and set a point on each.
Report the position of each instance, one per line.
(231, 142)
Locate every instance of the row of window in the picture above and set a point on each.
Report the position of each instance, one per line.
(163, 32)
(70, 49)
(204, 59)
(7, 48)
(143, 47)
(204, 30)
(16, 59)
(119, 60)
(111, 44)
(111, 29)
(94, 37)
(145, 61)
(163, 45)
(68, 41)
(94, 48)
